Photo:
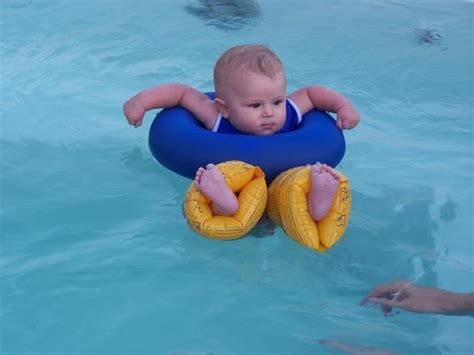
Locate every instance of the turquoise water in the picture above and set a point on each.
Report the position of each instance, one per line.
(95, 257)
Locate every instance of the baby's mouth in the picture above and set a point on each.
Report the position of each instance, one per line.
(267, 125)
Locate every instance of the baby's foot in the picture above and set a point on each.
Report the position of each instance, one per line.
(324, 184)
(211, 183)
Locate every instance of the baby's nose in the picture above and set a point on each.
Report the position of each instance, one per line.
(267, 111)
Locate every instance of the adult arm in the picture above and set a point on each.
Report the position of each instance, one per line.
(405, 295)
(325, 99)
(168, 95)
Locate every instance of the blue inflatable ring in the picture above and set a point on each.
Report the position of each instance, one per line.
(179, 142)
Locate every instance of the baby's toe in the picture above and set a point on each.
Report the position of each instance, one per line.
(199, 171)
(316, 168)
(334, 174)
(331, 171)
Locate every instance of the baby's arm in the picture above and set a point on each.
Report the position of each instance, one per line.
(325, 99)
(168, 95)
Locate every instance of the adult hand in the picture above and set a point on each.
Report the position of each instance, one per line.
(405, 295)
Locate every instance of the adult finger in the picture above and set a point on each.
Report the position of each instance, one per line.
(384, 290)
(393, 286)
(386, 310)
(384, 301)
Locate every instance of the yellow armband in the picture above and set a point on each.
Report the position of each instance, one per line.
(248, 183)
(288, 206)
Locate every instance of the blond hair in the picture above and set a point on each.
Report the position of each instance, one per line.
(258, 59)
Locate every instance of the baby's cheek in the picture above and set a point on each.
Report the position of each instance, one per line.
(281, 119)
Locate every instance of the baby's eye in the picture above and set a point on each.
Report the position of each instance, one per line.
(278, 102)
(255, 105)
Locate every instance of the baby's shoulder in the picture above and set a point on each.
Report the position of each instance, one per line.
(206, 110)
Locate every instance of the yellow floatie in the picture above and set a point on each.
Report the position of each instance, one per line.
(288, 207)
(248, 183)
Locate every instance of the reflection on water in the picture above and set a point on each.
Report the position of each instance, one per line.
(388, 238)
(447, 211)
(227, 15)
(348, 348)
(427, 36)
(398, 225)
(16, 3)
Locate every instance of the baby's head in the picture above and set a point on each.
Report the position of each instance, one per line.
(251, 58)
(250, 88)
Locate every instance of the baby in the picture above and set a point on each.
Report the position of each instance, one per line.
(251, 98)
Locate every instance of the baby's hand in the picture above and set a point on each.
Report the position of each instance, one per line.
(347, 117)
(134, 112)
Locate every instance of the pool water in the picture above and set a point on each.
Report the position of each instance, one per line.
(95, 256)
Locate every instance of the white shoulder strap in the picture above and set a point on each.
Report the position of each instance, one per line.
(298, 112)
(217, 124)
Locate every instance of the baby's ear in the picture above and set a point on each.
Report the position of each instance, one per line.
(222, 107)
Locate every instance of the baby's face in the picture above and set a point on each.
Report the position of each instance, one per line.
(255, 102)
